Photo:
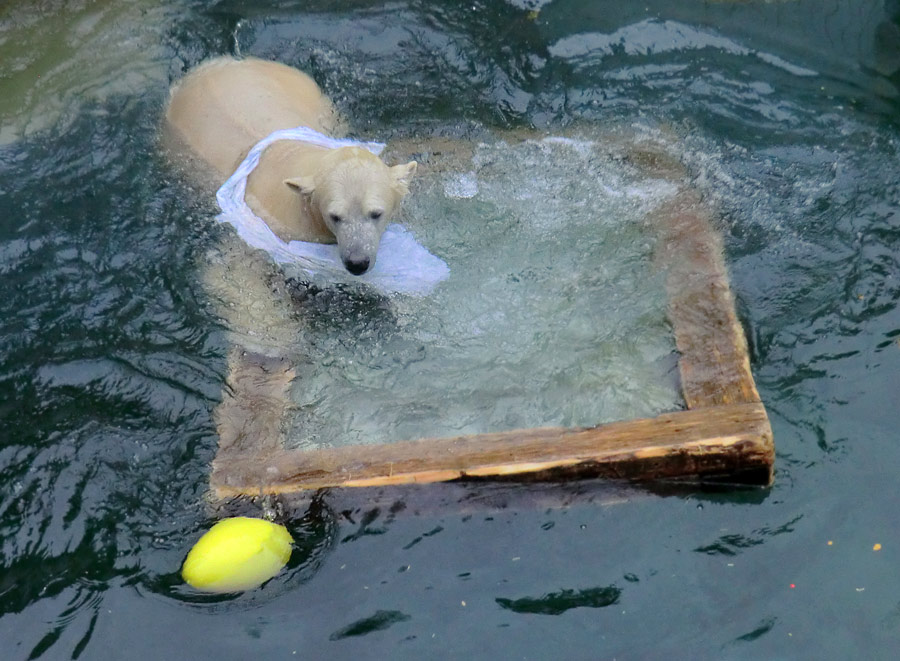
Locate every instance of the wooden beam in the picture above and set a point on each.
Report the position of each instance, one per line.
(708, 442)
(250, 417)
(714, 362)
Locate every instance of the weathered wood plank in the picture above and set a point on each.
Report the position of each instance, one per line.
(714, 361)
(707, 442)
(250, 417)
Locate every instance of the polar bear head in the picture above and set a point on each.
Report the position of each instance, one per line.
(356, 195)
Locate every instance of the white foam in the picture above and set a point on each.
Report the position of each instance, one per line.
(461, 186)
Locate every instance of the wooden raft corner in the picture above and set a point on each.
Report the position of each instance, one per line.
(724, 435)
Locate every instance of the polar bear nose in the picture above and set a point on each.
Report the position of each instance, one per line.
(357, 266)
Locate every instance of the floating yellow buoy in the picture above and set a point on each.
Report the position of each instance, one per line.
(237, 554)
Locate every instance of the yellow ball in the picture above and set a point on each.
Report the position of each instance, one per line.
(237, 554)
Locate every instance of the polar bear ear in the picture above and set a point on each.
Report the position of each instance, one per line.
(402, 174)
(301, 185)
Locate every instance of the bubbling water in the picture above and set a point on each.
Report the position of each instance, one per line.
(554, 313)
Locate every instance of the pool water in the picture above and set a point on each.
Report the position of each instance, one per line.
(554, 313)
(113, 356)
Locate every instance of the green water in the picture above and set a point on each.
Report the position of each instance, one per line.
(113, 358)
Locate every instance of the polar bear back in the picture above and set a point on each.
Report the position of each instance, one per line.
(223, 108)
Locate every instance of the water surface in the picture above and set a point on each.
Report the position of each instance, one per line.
(113, 356)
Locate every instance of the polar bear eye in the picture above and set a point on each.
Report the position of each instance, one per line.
(335, 218)
(375, 215)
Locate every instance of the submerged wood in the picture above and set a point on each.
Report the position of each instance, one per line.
(714, 362)
(250, 416)
(713, 359)
(723, 436)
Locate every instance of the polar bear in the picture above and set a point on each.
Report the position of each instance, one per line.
(347, 195)
(302, 191)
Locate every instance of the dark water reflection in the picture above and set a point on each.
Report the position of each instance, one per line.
(111, 359)
(557, 603)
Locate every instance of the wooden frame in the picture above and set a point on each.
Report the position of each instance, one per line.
(724, 435)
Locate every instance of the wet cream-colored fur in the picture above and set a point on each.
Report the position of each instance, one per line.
(302, 191)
